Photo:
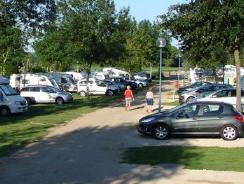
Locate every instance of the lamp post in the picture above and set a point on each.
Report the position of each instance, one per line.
(179, 69)
(161, 43)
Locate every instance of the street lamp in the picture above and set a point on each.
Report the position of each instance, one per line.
(179, 70)
(161, 44)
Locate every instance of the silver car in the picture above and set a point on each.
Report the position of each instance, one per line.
(45, 94)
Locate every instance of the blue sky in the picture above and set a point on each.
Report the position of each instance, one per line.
(147, 9)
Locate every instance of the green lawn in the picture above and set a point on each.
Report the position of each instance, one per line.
(21, 129)
(209, 158)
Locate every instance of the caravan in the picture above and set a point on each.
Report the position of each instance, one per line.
(18, 81)
(10, 101)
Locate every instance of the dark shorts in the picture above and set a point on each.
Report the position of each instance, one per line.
(149, 101)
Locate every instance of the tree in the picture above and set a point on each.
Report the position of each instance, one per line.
(204, 25)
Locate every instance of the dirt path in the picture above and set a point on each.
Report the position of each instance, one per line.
(88, 150)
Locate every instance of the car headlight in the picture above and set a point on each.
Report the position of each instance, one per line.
(17, 103)
(148, 120)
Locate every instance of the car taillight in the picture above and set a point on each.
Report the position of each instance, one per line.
(239, 118)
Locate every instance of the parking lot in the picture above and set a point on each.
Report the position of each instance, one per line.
(88, 150)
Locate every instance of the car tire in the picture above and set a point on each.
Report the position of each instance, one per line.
(229, 133)
(59, 101)
(110, 93)
(161, 132)
(82, 93)
(4, 111)
(190, 99)
(29, 102)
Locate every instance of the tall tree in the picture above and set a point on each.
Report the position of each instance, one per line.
(204, 25)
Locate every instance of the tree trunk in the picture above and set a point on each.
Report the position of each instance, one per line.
(238, 78)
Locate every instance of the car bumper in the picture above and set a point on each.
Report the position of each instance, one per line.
(144, 129)
(19, 109)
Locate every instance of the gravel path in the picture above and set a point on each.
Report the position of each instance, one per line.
(88, 149)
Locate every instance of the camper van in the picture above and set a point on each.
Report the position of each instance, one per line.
(64, 81)
(114, 72)
(18, 81)
(10, 101)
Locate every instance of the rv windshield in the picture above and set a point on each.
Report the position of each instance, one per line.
(8, 90)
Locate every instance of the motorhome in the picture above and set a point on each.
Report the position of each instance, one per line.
(114, 72)
(10, 101)
(64, 81)
(18, 81)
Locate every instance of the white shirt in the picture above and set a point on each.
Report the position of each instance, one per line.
(149, 95)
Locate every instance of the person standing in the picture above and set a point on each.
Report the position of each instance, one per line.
(128, 98)
(149, 100)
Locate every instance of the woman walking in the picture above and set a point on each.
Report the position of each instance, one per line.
(128, 98)
(149, 100)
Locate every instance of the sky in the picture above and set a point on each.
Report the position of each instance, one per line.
(147, 9)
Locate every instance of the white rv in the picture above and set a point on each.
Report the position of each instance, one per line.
(114, 72)
(18, 81)
(10, 101)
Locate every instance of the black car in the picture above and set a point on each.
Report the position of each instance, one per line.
(123, 83)
(192, 86)
(195, 118)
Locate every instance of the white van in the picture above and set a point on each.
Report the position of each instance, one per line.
(10, 101)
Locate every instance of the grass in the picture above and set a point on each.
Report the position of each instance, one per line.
(18, 130)
(209, 158)
(174, 103)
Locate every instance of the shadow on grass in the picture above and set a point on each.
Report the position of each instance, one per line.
(88, 155)
(46, 109)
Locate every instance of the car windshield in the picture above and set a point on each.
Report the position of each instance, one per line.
(176, 108)
(8, 90)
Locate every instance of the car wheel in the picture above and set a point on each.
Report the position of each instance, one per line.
(82, 93)
(28, 101)
(161, 132)
(190, 99)
(229, 132)
(59, 101)
(140, 85)
(4, 111)
(110, 93)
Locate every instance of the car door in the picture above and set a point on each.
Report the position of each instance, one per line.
(34, 94)
(209, 118)
(184, 121)
(46, 95)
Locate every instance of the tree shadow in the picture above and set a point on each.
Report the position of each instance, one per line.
(87, 155)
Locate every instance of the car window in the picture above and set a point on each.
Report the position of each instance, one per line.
(34, 89)
(212, 109)
(188, 111)
(48, 90)
(25, 89)
(223, 93)
(233, 93)
(25, 81)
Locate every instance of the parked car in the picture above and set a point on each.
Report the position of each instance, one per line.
(195, 118)
(196, 93)
(141, 83)
(224, 95)
(112, 88)
(45, 94)
(142, 76)
(192, 86)
(10, 100)
(119, 81)
(95, 87)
